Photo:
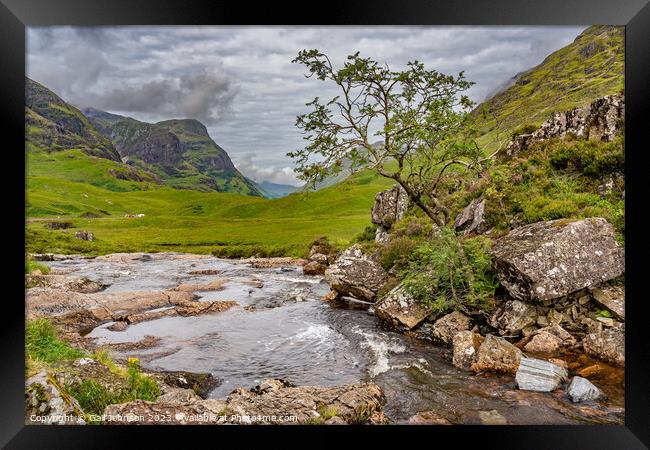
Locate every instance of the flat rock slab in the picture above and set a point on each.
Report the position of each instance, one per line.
(547, 260)
(538, 375)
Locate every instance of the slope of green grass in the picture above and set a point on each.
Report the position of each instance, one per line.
(574, 76)
(186, 220)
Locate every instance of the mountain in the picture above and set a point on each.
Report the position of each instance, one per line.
(591, 67)
(275, 190)
(180, 151)
(52, 124)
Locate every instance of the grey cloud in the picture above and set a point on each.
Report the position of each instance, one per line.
(240, 81)
(247, 165)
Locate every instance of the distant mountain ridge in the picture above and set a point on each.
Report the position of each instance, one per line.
(180, 151)
(276, 190)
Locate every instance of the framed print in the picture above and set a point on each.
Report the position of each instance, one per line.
(411, 218)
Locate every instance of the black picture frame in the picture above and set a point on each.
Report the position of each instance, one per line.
(15, 15)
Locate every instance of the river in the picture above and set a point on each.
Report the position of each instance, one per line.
(283, 330)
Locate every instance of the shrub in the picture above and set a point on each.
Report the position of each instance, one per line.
(367, 235)
(396, 252)
(93, 397)
(451, 273)
(43, 344)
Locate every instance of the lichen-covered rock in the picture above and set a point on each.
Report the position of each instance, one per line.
(549, 340)
(356, 275)
(390, 206)
(472, 218)
(601, 120)
(465, 346)
(547, 260)
(400, 309)
(611, 298)
(47, 403)
(608, 345)
(497, 355)
(538, 375)
(581, 389)
(445, 328)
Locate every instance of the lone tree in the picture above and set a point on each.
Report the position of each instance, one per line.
(411, 126)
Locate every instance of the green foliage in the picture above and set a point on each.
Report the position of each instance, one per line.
(31, 266)
(396, 252)
(248, 251)
(43, 344)
(367, 235)
(141, 386)
(604, 313)
(94, 397)
(327, 412)
(451, 273)
(421, 116)
(524, 129)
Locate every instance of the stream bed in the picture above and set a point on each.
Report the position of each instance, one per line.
(283, 330)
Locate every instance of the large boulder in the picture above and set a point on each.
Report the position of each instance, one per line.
(472, 218)
(608, 345)
(497, 355)
(356, 275)
(538, 375)
(547, 260)
(390, 206)
(445, 328)
(513, 317)
(400, 309)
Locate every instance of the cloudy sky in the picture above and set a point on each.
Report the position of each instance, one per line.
(241, 83)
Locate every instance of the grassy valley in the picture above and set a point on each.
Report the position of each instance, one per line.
(94, 192)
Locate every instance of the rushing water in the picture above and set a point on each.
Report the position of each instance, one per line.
(292, 334)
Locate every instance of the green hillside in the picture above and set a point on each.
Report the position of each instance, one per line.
(592, 66)
(201, 222)
(79, 184)
(53, 125)
(179, 151)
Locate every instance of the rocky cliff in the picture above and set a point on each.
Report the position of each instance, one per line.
(179, 150)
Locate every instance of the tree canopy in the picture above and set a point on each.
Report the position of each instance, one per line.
(409, 125)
